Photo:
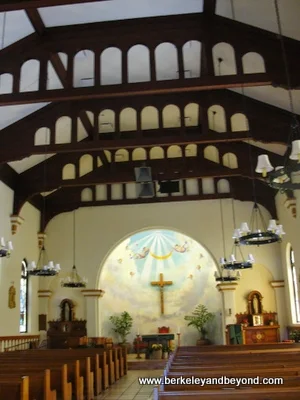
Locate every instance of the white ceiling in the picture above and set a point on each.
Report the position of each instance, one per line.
(258, 13)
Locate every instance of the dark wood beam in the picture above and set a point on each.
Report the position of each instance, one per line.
(157, 138)
(209, 7)
(69, 198)
(138, 89)
(36, 21)
(12, 5)
(121, 172)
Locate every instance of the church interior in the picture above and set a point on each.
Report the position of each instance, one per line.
(149, 191)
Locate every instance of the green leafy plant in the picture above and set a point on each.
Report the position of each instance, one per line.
(295, 335)
(199, 318)
(166, 349)
(123, 324)
(157, 346)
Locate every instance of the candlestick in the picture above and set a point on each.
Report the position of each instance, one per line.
(138, 356)
(178, 329)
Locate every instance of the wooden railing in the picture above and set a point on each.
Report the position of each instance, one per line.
(20, 342)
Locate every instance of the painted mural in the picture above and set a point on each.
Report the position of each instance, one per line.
(130, 279)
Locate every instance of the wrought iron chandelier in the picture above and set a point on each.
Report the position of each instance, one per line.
(5, 249)
(43, 267)
(227, 275)
(281, 176)
(258, 234)
(74, 280)
(230, 269)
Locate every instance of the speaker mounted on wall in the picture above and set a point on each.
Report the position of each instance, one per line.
(169, 187)
(143, 174)
(145, 190)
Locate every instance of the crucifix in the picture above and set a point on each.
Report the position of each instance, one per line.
(161, 283)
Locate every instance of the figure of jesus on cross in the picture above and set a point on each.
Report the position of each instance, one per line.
(161, 283)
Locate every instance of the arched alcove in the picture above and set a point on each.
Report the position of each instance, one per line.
(191, 58)
(42, 136)
(156, 153)
(212, 153)
(69, 172)
(166, 62)
(191, 114)
(139, 154)
(230, 160)
(63, 130)
(171, 116)
(224, 59)
(84, 69)
(128, 119)
(253, 63)
(30, 72)
(239, 122)
(111, 66)
(216, 118)
(149, 118)
(6, 83)
(138, 60)
(127, 272)
(107, 121)
(223, 186)
(85, 164)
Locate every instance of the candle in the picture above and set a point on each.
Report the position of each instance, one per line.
(138, 330)
(178, 329)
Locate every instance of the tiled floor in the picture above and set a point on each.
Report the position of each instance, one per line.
(128, 387)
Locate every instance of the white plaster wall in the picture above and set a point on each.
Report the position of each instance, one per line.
(25, 246)
(100, 229)
(291, 227)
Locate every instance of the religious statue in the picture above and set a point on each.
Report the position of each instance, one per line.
(12, 297)
(67, 310)
(255, 303)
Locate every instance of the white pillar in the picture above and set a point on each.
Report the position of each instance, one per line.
(44, 296)
(281, 306)
(92, 297)
(228, 300)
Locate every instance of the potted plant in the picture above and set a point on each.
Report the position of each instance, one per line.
(123, 325)
(295, 335)
(165, 351)
(199, 318)
(156, 351)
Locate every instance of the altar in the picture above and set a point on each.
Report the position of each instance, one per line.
(162, 338)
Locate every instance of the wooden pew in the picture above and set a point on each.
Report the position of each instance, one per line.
(192, 362)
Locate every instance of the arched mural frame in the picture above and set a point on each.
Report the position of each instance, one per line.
(109, 252)
(166, 318)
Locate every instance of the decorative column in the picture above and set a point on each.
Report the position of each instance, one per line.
(44, 296)
(228, 300)
(41, 239)
(15, 221)
(92, 310)
(281, 306)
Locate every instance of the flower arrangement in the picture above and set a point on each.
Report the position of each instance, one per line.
(245, 322)
(156, 347)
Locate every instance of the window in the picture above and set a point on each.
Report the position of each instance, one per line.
(24, 298)
(295, 285)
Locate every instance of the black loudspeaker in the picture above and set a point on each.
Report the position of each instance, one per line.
(145, 190)
(169, 187)
(143, 174)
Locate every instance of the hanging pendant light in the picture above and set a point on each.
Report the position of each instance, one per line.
(74, 280)
(281, 177)
(44, 267)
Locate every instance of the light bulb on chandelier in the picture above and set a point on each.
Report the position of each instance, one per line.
(6, 248)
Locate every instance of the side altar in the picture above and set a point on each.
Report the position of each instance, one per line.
(255, 325)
